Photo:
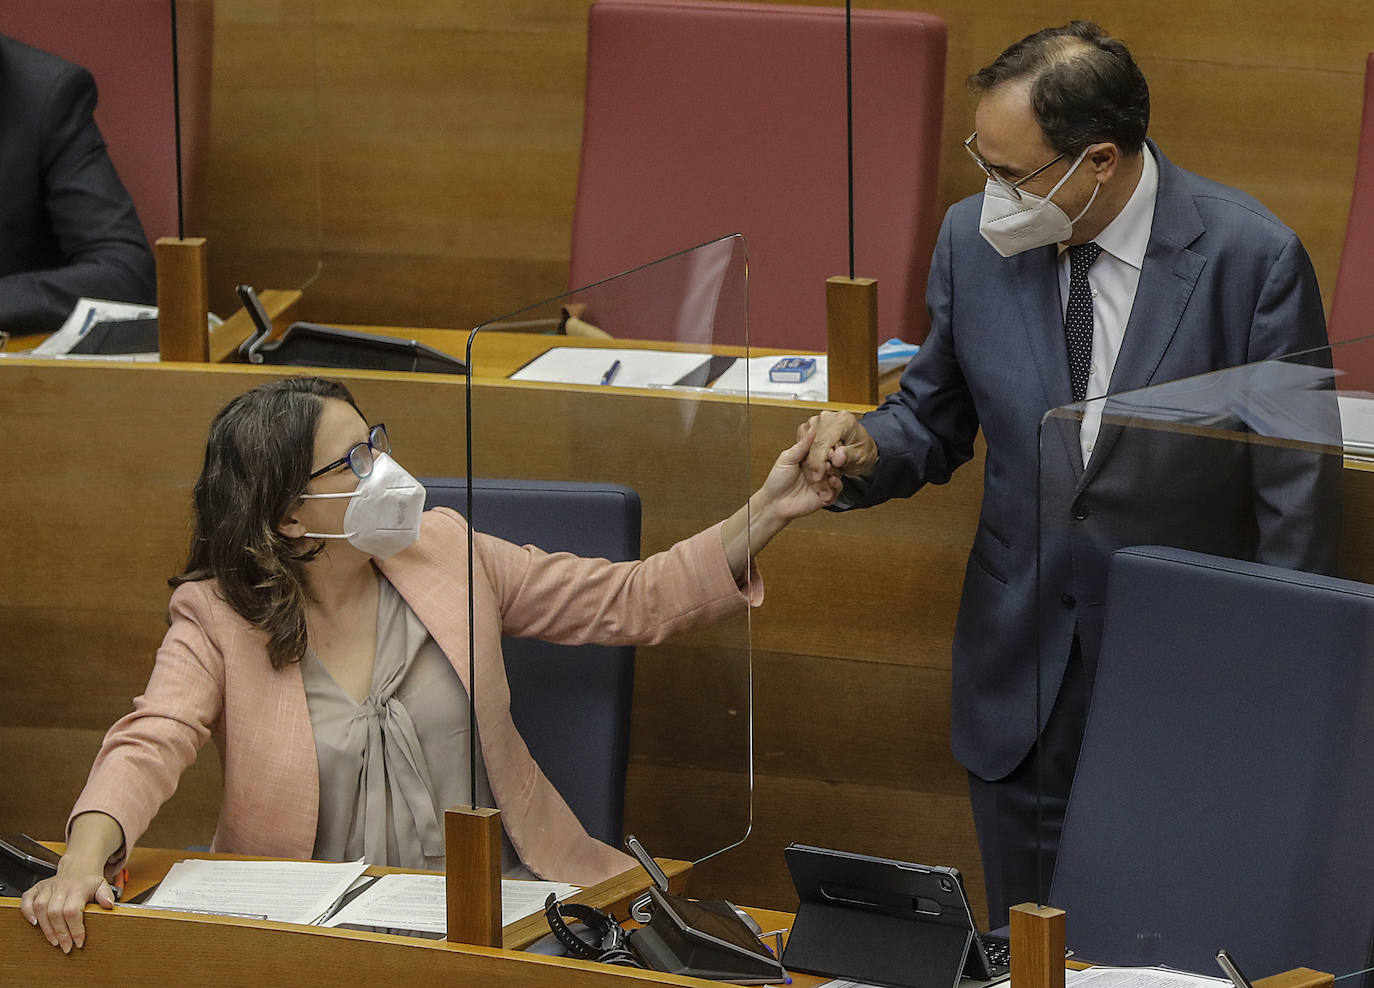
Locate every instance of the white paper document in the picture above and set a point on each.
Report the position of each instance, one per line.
(755, 370)
(521, 899)
(1138, 977)
(285, 891)
(416, 902)
(1105, 977)
(85, 314)
(592, 365)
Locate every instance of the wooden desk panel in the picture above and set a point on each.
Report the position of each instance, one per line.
(178, 949)
(186, 949)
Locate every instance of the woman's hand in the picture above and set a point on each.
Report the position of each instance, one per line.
(55, 904)
(787, 492)
(786, 495)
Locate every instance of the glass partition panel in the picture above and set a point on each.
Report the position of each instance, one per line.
(1205, 606)
(254, 145)
(415, 165)
(609, 389)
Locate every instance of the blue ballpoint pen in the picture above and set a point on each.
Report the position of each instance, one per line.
(609, 376)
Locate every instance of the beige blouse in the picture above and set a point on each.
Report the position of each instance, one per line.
(391, 764)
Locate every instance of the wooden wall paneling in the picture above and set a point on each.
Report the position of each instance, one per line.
(428, 156)
(52, 765)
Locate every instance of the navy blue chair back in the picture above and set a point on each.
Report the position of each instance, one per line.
(1223, 796)
(571, 703)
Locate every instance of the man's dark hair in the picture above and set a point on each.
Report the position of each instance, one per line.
(1084, 86)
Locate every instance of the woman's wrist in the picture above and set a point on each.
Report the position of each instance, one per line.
(95, 838)
(764, 521)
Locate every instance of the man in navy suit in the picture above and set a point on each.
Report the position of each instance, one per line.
(1089, 265)
(67, 225)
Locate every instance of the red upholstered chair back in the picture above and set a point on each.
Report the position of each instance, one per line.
(706, 119)
(127, 46)
(1352, 304)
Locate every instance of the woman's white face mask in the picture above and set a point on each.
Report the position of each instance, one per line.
(384, 516)
(1012, 226)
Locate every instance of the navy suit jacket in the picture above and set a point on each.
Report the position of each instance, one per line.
(67, 225)
(1223, 283)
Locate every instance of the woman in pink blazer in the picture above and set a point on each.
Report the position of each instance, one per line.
(304, 524)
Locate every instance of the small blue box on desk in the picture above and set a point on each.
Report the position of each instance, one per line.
(792, 370)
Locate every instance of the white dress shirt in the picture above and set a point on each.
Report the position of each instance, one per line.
(1113, 279)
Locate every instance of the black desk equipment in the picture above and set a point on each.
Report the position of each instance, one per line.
(308, 344)
(883, 921)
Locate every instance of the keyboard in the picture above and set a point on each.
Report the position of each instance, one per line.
(997, 950)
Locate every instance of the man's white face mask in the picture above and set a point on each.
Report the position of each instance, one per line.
(1012, 226)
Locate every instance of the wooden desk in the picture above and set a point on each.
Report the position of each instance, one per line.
(189, 949)
(181, 949)
(147, 866)
(497, 354)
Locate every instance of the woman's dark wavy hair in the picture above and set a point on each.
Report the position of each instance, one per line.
(257, 463)
(1085, 86)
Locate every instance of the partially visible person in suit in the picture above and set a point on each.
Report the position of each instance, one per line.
(67, 225)
(319, 633)
(1090, 264)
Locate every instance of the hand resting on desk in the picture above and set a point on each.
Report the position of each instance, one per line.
(55, 904)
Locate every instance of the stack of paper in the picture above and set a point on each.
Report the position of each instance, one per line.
(285, 891)
(311, 892)
(620, 368)
(417, 902)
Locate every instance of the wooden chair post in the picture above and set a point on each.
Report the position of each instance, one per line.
(183, 299)
(472, 875)
(1037, 946)
(851, 309)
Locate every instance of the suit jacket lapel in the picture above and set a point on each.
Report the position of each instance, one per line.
(1035, 275)
(1167, 279)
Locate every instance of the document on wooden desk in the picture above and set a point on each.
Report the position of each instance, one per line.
(285, 891)
(417, 902)
(593, 365)
(1138, 977)
(1104, 977)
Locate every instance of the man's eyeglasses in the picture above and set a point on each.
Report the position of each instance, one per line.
(359, 457)
(1012, 189)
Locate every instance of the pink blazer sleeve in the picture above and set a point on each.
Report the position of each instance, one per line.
(568, 599)
(145, 752)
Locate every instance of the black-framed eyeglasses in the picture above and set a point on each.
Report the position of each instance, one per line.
(360, 455)
(1012, 189)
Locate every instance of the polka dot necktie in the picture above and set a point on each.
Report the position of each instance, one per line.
(1078, 317)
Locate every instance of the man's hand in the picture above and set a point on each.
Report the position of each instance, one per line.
(841, 447)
